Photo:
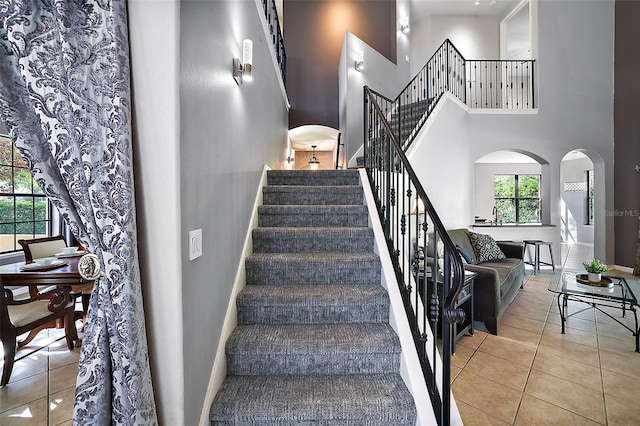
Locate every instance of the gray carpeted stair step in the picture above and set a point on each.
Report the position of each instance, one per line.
(311, 215)
(312, 240)
(316, 349)
(312, 268)
(308, 304)
(372, 400)
(313, 345)
(312, 195)
(313, 177)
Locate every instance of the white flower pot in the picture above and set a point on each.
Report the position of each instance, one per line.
(593, 277)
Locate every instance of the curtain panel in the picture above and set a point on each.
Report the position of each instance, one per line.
(65, 99)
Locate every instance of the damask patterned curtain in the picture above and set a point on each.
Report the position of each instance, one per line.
(65, 98)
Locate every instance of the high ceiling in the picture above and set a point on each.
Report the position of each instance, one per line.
(422, 8)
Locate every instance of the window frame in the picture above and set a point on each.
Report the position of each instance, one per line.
(17, 194)
(590, 198)
(517, 199)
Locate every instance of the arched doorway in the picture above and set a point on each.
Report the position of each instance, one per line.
(316, 141)
(577, 194)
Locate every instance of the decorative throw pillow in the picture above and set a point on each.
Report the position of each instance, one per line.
(485, 247)
(466, 257)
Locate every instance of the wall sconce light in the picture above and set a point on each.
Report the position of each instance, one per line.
(404, 24)
(242, 68)
(313, 161)
(359, 60)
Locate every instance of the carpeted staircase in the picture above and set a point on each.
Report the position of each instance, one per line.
(410, 116)
(313, 343)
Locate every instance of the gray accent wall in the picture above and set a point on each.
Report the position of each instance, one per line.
(627, 131)
(313, 34)
(227, 133)
(201, 143)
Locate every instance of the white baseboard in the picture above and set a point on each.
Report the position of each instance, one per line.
(219, 369)
(623, 269)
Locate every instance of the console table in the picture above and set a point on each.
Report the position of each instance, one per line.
(464, 302)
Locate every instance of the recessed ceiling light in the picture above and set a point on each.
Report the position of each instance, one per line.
(477, 2)
(493, 3)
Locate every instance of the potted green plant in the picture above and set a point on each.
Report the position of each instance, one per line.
(595, 268)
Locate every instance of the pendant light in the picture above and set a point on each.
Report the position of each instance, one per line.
(313, 161)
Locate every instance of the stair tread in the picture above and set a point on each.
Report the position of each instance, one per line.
(315, 339)
(303, 208)
(311, 294)
(347, 231)
(373, 399)
(313, 215)
(313, 304)
(313, 229)
(314, 257)
(316, 188)
(305, 177)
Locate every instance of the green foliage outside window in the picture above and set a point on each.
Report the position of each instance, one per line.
(23, 218)
(517, 198)
(24, 210)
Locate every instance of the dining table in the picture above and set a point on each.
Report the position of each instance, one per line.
(67, 273)
(63, 273)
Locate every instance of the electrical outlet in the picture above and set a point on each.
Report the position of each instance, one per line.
(195, 244)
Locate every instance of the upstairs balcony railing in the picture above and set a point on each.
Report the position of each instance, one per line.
(271, 13)
(477, 83)
(426, 262)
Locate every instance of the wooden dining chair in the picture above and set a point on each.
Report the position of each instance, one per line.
(18, 316)
(38, 248)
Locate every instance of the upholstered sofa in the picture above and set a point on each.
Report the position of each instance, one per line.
(498, 280)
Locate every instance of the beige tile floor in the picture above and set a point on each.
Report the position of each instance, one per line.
(42, 386)
(528, 375)
(531, 374)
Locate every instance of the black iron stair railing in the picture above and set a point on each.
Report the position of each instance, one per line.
(477, 83)
(338, 145)
(420, 249)
(277, 40)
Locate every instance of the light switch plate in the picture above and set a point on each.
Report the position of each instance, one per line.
(195, 244)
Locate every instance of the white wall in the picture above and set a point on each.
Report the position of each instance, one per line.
(154, 38)
(476, 37)
(441, 162)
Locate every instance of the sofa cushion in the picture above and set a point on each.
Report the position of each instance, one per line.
(466, 257)
(460, 237)
(485, 247)
(508, 271)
